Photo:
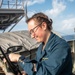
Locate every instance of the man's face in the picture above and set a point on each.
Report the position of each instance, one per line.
(36, 31)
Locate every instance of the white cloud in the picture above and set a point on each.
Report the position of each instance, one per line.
(71, 0)
(68, 24)
(30, 13)
(58, 7)
(32, 2)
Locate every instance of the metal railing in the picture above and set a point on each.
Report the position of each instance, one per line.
(12, 4)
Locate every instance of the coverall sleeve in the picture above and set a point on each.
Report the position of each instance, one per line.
(26, 65)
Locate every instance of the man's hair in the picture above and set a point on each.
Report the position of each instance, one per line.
(41, 17)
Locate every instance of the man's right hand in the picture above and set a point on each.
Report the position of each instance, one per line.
(14, 57)
(23, 73)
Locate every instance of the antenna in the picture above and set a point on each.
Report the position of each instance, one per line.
(1, 1)
(26, 11)
(26, 16)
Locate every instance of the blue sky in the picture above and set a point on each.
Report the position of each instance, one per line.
(61, 11)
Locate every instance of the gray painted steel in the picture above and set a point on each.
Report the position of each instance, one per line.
(17, 38)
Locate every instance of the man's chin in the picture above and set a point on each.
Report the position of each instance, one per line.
(38, 41)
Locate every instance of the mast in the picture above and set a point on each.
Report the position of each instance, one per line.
(74, 53)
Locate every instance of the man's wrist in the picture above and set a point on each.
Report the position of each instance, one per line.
(21, 58)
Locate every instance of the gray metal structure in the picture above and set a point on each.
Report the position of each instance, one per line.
(17, 38)
(11, 12)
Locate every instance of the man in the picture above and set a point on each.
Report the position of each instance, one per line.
(53, 56)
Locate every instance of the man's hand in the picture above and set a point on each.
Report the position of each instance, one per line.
(14, 57)
(23, 73)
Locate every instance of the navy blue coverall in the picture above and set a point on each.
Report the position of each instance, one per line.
(55, 59)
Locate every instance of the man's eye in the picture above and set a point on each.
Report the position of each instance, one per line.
(31, 31)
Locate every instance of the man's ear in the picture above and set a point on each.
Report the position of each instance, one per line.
(44, 26)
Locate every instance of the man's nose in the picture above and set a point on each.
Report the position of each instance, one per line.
(32, 35)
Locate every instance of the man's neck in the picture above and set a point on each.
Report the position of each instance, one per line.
(48, 35)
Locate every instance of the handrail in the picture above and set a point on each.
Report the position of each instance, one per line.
(10, 4)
